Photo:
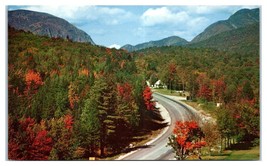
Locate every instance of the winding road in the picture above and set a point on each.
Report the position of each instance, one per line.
(158, 150)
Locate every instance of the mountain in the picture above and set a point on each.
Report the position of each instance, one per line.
(241, 18)
(128, 47)
(169, 41)
(244, 40)
(46, 25)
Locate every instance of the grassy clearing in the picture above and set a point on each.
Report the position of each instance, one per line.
(202, 106)
(208, 108)
(168, 92)
(251, 154)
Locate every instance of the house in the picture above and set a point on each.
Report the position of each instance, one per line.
(159, 84)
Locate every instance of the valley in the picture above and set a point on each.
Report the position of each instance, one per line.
(72, 99)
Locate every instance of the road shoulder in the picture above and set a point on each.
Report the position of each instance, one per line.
(167, 119)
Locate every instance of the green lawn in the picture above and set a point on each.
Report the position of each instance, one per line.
(251, 154)
(167, 92)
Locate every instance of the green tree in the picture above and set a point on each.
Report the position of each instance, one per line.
(248, 91)
(61, 131)
(226, 124)
(89, 127)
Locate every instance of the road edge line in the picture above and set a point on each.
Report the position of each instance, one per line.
(153, 140)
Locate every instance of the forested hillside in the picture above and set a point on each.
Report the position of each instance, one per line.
(241, 18)
(169, 41)
(210, 76)
(70, 100)
(244, 40)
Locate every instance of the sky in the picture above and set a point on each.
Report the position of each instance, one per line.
(115, 26)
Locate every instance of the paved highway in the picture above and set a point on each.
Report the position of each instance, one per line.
(158, 150)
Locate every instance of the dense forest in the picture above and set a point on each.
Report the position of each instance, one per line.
(228, 78)
(69, 100)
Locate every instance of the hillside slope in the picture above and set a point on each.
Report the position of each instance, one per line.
(169, 41)
(46, 25)
(241, 18)
(244, 40)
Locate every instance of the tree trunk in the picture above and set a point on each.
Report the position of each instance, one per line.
(102, 148)
(221, 144)
(225, 143)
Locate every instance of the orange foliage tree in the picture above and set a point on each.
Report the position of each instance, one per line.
(33, 80)
(186, 139)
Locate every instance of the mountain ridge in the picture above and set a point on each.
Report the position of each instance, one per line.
(239, 19)
(45, 24)
(244, 39)
(168, 41)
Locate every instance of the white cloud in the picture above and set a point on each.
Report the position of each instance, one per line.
(162, 15)
(196, 22)
(114, 46)
(106, 15)
(112, 22)
(180, 21)
(207, 9)
(180, 33)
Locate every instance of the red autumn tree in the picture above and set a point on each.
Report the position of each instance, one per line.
(28, 144)
(68, 122)
(205, 92)
(218, 89)
(147, 95)
(124, 91)
(187, 137)
(41, 146)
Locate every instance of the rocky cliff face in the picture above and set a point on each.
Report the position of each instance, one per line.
(46, 25)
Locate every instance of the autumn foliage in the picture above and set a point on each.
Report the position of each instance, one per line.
(68, 122)
(26, 143)
(147, 95)
(33, 80)
(124, 91)
(73, 109)
(205, 92)
(187, 138)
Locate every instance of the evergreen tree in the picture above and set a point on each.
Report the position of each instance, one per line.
(89, 128)
(248, 91)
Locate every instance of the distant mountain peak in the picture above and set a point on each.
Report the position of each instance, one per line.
(45, 24)
(239, 19)
(169, 41)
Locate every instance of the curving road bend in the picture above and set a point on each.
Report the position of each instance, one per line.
(158, 150)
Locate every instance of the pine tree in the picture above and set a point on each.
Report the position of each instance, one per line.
(106, 107)
(248, 91)
(89, 128)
